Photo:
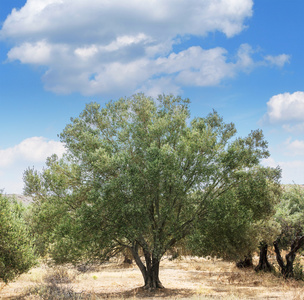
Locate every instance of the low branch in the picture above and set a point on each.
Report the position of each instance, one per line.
(296, 245)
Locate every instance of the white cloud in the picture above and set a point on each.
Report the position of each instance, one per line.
(15, 160)
(286, 109)
(294, 128)
(294, 148)
(119, 46)
(279, 60)
(292, 171)
(37, 53)
(35, 149)
(244, 58)
(101, 20)
(86, 52)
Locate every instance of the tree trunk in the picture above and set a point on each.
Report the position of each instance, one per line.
(287, 269)
(246, 263)
(150, 271)
(264, 264)
(152, 276)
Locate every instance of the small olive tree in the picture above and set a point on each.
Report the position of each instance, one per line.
(16, 247)
(139, 174)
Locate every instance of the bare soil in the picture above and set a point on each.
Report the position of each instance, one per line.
(184, 278)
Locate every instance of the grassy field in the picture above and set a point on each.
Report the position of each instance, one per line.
(185, 278)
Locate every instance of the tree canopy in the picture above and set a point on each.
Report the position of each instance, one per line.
(139, 174)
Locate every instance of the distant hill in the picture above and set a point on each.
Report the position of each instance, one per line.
(26, 200)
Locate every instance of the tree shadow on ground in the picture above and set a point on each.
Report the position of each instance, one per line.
(142, 293)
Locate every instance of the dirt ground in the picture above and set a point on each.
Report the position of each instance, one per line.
(185, 278)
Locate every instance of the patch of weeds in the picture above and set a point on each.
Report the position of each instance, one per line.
(87, 267)
(53, 291)
(56, 285)
(198, 268)
(59, 275)
(36, 275)
(235, 278)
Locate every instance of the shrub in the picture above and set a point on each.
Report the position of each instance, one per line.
(16, 248)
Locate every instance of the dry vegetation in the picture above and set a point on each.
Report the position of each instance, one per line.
(185, 278)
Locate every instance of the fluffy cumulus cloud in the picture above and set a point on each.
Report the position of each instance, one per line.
(104, 21)
(37, 53)
(286, 109)
(35, 149)
(127, 46)
(14, 160)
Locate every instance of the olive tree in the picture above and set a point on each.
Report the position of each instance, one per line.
(290, 217)
(139, 174)
(16, 247)
(235, 223)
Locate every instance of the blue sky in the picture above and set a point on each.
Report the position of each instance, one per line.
(243, 58)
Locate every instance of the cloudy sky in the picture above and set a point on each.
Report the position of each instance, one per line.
(243, 58)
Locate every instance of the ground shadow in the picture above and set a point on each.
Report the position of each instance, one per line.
(139, 293)
(143, 293)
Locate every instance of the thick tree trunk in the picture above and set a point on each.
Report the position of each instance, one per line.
(150, 271)
(287, 269)
(152, 276)
(264, 264)
(246, 263)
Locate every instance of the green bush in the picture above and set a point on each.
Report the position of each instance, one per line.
(16, 248)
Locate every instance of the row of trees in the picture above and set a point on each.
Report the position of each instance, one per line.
(138, 175)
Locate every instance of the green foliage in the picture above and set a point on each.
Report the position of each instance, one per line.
(16, 248)
(298, 270)
(57, 194)
(139, 174)
(290, 214)
(238, 220)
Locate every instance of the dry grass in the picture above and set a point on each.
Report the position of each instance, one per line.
(185, 278)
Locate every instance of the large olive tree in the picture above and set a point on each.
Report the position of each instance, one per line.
(139, 174)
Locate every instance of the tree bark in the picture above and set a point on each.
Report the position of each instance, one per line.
(264, 264)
